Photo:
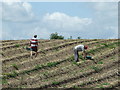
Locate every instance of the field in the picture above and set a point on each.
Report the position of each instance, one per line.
(54, 67)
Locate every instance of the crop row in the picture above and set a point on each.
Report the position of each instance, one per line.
(64, 78)
(19, 45)
(75, 76)
(61, 54)
(58, 60)
(26, 55)
(20, 49)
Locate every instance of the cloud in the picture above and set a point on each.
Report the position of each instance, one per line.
(17, 11)
(20, 22)
(65, 22)
(105, 22)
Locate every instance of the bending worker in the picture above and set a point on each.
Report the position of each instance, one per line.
(79, 48)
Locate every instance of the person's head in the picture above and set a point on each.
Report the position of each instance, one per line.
(85, 47)
(35, 36)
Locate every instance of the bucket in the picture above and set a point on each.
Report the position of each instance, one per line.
(29, 49)
(88, 57)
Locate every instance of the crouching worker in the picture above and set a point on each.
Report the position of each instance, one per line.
(80, 48)
(34, 46)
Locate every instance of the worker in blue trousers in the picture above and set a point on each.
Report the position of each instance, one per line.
(78, 48)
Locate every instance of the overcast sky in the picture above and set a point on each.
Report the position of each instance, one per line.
(89, 20)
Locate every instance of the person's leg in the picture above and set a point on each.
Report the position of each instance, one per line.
(31, 54)
(76, 55)
(36, 52)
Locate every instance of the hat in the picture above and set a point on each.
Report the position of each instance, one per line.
(85, 47)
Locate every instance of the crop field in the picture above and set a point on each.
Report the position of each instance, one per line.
(54, 67)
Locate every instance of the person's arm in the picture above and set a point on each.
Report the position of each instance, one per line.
(30, 43)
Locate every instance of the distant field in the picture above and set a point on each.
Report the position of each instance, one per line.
(55, 67)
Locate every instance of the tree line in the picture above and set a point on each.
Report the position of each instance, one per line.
(56, 36)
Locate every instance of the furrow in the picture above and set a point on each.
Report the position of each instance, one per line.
(64, 53)
(66, 78)
(68, 73)
(27, 55)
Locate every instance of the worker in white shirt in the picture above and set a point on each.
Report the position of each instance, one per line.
(80, 48)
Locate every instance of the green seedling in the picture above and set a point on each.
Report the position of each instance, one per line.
(55, 83)
(98, 45)
(80, 57)
(3, 81)
(13, 74)
(104, 44)
(71, 58)
(45, 73)
(75, 87)
(100, 62)
(51, 64)
(57, 49)
(37, 67)
(64, 86)
(97, 69)
(75, 63)
(17, 45)
(15, 66)
(101, 87)
(97, 42)
(105, 84)
(92, 51)
(112, 46)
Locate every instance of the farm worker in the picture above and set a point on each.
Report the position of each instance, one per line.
(80, 48)
(34, 46)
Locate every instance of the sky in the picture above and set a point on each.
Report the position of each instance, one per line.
(88, 20)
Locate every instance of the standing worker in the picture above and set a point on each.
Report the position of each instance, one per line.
(80, 48)
(34, 46)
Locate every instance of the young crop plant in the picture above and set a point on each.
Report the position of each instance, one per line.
(12, 75)
(71, 58)
(76, 87)
(91, 51)
(55, 83)
(56, 49)
(106, 45)
(98, 45)
(81, 58)
(15, 66)
(100, 62)
(51, 64)
(112, 46)
(37, 67)
(75, 63)
(45, 73)
(3, 81)
(106, 84)
(17, 45)
(97, 69)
